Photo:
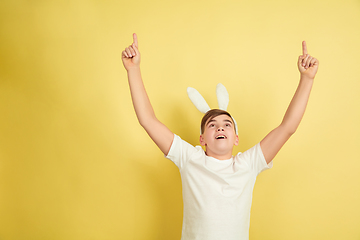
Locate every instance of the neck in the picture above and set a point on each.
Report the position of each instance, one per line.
(218, 156)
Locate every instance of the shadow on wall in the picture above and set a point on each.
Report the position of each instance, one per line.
(157, 206)
(157, 191)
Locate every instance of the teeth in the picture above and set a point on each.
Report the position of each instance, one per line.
(220, 137)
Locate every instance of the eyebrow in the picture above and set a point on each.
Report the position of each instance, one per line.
(212, 120)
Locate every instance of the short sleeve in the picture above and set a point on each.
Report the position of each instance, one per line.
(255, 159)
(181, 151)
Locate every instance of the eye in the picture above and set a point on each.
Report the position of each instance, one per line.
(212, 125)
(228, 125)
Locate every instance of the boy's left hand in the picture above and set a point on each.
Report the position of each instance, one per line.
(307, 65)
(131, 55)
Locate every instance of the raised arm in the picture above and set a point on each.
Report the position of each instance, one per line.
(158, 132)
(274, 141)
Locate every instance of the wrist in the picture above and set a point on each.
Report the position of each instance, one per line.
(306, 78)
(133, 69)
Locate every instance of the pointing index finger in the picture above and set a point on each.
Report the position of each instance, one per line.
(304, 48)
(135, 41)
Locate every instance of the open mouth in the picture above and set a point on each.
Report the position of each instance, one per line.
(220, 137)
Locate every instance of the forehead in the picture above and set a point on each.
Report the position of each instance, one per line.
(220, 118)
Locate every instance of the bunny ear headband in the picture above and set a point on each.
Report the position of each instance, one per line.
(202, 106)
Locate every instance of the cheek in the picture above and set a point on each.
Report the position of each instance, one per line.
(208, 137)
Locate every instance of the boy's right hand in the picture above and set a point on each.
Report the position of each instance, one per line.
(307, 64)
(131, 55)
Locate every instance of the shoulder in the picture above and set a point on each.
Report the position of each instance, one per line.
(178, 142)
(251, 152)
(254, 158)
(182, 151)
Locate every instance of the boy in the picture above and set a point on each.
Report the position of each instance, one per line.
(217, 187)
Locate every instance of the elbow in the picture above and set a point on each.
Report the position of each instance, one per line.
(146, 122)
(143, 123)
(290, 130)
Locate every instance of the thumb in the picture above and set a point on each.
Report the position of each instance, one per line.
(301, 57)
(300, 60)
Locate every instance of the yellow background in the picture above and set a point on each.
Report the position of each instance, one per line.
(75, 163)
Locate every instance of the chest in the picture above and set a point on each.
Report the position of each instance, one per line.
(206, 178)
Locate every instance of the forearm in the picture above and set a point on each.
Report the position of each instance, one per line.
(140, 99)
(297, 106)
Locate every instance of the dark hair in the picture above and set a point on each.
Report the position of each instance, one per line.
(211, 114)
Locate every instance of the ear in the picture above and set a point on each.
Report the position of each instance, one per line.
(222, 96)
(197, 100)
(236, 140)
(202, 140)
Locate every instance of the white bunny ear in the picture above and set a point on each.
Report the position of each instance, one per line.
(222, 96)
(197, 100)
(223, 100)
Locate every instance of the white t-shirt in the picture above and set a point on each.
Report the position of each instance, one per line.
(217, 194)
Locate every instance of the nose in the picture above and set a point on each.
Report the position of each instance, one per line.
(220, 129)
